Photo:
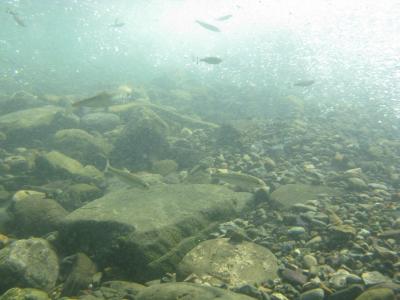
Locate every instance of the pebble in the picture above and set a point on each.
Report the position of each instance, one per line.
(314, 294)
(309, 261)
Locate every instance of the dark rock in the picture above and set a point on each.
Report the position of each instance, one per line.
(293, 277)
(349, 293)
(100, 121)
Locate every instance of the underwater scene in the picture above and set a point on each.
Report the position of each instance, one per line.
(199, 149)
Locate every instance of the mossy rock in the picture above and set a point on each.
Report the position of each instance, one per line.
(164, 167)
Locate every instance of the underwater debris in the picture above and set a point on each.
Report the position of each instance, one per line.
(16, 17)
(212, 60)
(304, 82)
(126, 176)
(102, 99)
(223, 18)
(208, 26)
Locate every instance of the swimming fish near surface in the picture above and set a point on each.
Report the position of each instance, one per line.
(126, 176)
(304, 82)
(117, 23)
(212, 60)
(103, 99)
(208, 26)
(223, 18)
(16, 18)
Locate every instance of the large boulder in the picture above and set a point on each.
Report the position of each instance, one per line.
(235, 264)
(146, 232)
(185, 290)
(34, 126)
(30, 263)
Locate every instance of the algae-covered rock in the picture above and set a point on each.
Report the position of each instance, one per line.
(55, 164)
(24, 294)
(185, 290)
(146, 232)
(35, 215)
(19, 101)
(28, 263)
(37, 124)
(235, 264)
(290, 194)
(82, 146)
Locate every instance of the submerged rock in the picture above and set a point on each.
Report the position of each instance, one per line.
(146, 232)
(220, 261)
(57, 165)
(28, 263)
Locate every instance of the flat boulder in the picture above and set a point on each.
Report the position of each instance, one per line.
(146, 232)
(291, 194)
(220, 261)
(185, 290)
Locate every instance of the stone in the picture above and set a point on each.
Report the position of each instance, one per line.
(30, 263)
(35, 215)
(309, 261)
(296, 231)
(377, 294)
(82, 146)
(153, 228)
(234, 264)
(293, 276)
(55, 164)
(314, 294)
(185, 290)
(357, 184)
(100, 121)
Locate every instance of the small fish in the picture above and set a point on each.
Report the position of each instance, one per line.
(126, 176)
(304, 82)
(16, 18)
(208, 26)
(117, 23)
(223, 18)
(242, 180)
(102, 99)
(211, 60)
